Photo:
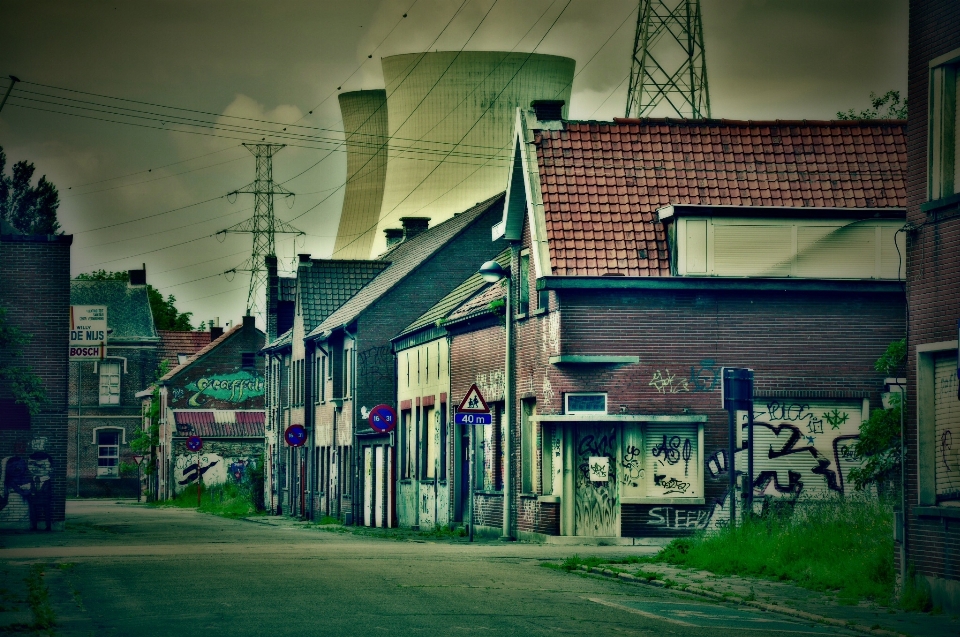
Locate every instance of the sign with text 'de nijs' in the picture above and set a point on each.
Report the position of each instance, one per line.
(88, 332)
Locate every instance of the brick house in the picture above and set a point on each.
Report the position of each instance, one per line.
(648, 254)
(105, 411)
(354, 345)
(430, 483)
(932, 498)
(218, 395)
(320, 287)
(35, 294)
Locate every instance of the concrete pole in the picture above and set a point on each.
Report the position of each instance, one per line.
(508, 413)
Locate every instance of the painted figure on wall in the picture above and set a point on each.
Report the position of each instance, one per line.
(30, 479)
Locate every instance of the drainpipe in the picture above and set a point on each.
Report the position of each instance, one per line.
(76, 466)
(309, 416)
(508, 411)
(354, 463)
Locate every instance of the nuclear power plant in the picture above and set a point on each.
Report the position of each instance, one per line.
(365, 130)
(449, 120)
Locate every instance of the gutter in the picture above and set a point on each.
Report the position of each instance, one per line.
(676, 283)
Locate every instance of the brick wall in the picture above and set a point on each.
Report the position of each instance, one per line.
(35, 291)
(933, 270)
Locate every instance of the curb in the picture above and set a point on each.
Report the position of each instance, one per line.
(772, 608)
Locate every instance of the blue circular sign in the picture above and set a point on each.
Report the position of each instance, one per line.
(295, 435)
(382, 418)
(194, 443)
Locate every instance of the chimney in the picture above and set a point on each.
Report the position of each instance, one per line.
(138, 277)
(304, 258)
(412, 226)
(273, 295)
(249, 322)
(548, 110)
(394, 236)
(215, 333)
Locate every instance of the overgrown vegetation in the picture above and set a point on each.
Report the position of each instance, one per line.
(834, 544)
(38, 596)
(879, 447)
(166, 316)
(886, 106)
(26, 387)
(229, 500)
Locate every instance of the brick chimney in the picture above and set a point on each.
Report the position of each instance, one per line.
(273, 295)
(304, 258)
(138, 277)
(394, 236)
(412, 226)
(548, 110)
(249, 322)
(215, 333)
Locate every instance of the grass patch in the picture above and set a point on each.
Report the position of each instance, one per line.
(836, 544)
(229, 500)
(327, 519)
(38, 597)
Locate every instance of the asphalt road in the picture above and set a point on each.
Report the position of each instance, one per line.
(135, 570)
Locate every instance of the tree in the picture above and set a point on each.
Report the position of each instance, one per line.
(25, 385)
(166, 316)
(879, 445)
(30, 210)
(889, 101)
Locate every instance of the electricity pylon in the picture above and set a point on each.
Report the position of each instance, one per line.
(669, 68)
(262, 225)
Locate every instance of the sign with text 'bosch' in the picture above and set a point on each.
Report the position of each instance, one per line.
(473, 409)
(88, 332)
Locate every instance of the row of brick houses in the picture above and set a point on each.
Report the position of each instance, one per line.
(643, 256)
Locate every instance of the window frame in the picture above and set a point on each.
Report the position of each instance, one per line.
(119, 375)
(942, 125)
(109, 471)
(566, 402)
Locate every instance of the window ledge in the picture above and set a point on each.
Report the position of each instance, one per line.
(936, 205)
(520, 316)
(549, 498)
(937, 512)
(482, 492)
(540, 311)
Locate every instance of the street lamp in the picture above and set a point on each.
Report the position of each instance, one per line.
(491, 272)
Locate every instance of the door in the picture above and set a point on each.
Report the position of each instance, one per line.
(368, 486)
(597, 503)
(378, 486)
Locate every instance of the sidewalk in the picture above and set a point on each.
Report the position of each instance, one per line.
(788, 599)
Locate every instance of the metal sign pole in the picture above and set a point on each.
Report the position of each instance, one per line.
(732, 467)
(749, 503)
(470, 478)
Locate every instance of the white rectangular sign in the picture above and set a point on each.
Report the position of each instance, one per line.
(88, 332)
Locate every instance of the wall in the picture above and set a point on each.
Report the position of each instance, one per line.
(933, 269)
(35, 291)
(220, 461)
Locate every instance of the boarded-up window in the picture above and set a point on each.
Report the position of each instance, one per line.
(832, 252)
(528, 446)
(631, 473)
(753, 250)
(670, 458)
(947, 415)
(431, 426)
(109, 383)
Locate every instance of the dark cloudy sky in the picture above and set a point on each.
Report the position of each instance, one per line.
(767, 59)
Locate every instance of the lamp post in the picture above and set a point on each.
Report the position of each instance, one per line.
(491, 272)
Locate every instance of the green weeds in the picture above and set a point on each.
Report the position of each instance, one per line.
(229, 500)
(38, 597)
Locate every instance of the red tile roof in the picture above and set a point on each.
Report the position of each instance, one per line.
(602, 182)
(218, 423)
(173, 343)
(200, 352)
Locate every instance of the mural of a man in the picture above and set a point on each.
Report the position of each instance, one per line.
(40, 498)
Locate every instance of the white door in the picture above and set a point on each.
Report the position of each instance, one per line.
(367, 486)
(379, 486)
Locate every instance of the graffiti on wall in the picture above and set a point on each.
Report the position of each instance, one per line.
(703, 378)
(376, 364)
(597, 507)
(27, 488)
(491, 385)
(234, 388)
(214, 468)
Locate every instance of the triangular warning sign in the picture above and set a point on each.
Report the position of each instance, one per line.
(473, 402)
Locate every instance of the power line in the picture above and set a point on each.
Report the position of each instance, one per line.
(147, 181)
(158, 214)
(147, 170)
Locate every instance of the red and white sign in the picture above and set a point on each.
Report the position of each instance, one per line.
(473, 402)
(88, 332)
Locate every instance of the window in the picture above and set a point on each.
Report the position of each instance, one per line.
(108, 453)
(673, 453)
(523, 302)
(586, 403)
(408, 447)
(942, 176)
(346, 372)
(487, 452)
(551, 462)
(110, 383)
(182, 358)
(431, 442)
(248, 360)
(321, 377)
(528, 446)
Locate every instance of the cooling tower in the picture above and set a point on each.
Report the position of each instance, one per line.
(451, 117)
(364, 116)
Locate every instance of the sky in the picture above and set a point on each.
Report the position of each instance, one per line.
(144, 194)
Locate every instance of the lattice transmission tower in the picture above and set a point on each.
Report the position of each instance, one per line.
(263, 225)
(668, 74)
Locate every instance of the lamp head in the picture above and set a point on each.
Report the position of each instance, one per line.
(491, 272)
